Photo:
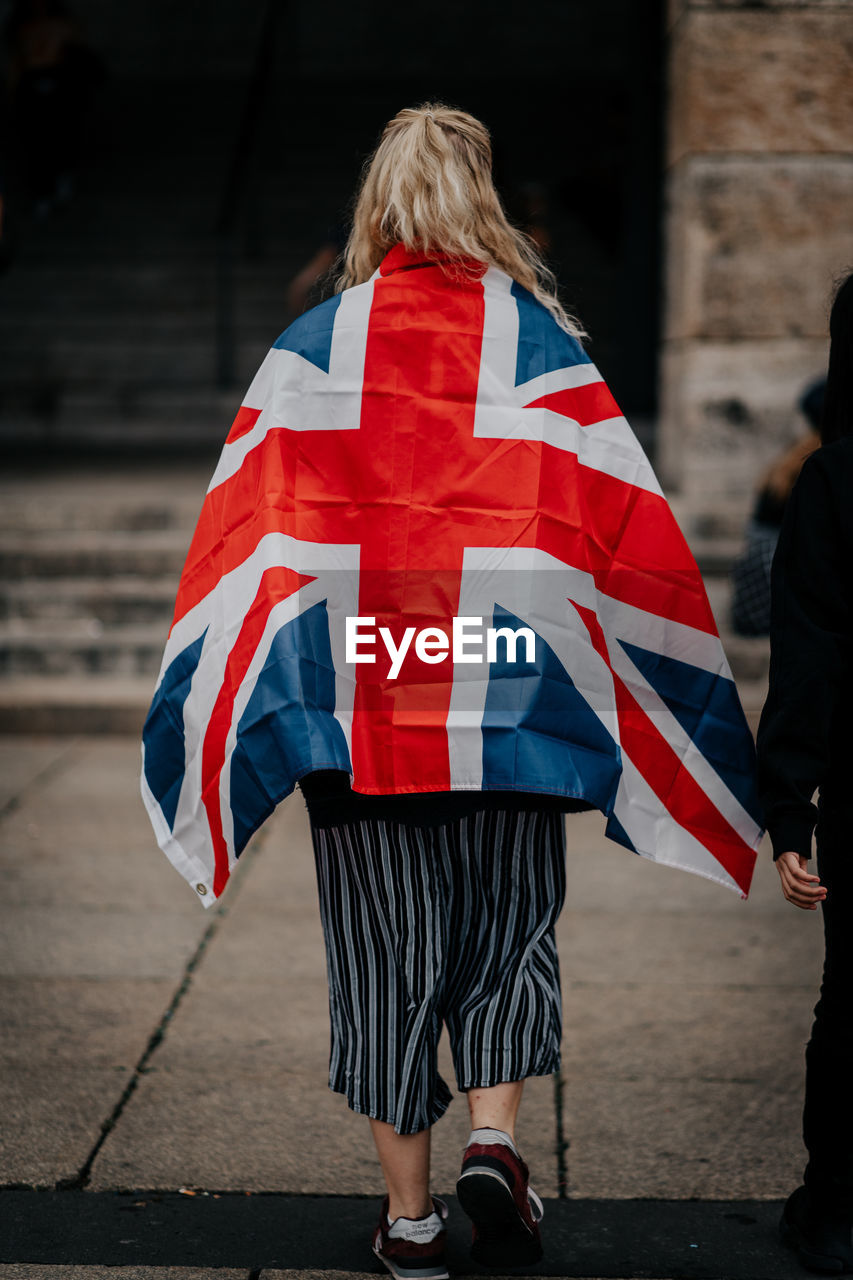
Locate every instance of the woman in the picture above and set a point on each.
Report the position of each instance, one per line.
(804, 745)
(461, 851)
(431, 445)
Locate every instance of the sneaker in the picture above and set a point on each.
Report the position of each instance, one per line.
(494, 1192)
(822, 1243)
(413, 1248)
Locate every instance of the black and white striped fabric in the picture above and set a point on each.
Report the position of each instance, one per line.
(429, 925)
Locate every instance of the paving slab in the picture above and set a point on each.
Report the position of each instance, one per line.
(683, 1139)
(255, 1020)
(686, 1016)
(698, 1031)
(236, 1096)
(52, 705)
(92, 943)
(52, 1117)
(23, 760)
(83, 838)
(288, 941)
(101, 865)
(616, 879)
(96, 1023)
(618, 943)
(87, 894)
(87, 972)
(37, 1271)
(268, 1125)
(686, 1012)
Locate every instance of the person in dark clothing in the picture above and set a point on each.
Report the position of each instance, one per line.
(751, 570)
(804, 745)
(52, 76)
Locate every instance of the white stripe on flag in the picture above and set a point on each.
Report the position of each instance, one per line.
(609, 446)
(299, 396)
(538, 589)
(697, 765)
(656, 835)
(222, 613)
(340, 592)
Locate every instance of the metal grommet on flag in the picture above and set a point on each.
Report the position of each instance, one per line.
(201, 889)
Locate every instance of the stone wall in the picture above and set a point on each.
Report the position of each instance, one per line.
(759, 196)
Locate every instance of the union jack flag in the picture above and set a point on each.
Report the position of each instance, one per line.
(427, 446)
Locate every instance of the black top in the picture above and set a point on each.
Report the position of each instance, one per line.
(331, 802)
(804, 738)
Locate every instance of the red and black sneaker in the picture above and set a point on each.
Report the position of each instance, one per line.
(413, 1248)
(494, 1192)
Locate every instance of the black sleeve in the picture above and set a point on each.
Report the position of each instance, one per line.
(809, 652)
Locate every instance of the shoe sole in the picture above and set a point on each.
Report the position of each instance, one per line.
(503, 1237)
(792, 1238)
(412, 1273)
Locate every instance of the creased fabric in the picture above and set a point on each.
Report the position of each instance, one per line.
(424, 447)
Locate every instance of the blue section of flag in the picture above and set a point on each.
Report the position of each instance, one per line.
(163, 734)
(616, 832)
(708, 709)
(543, 346)
(538, 728)
(288, 727)
(311, 335)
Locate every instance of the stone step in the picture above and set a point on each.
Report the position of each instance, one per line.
(57, 705)
(719, 592)
(108, 282)
(89, 554)
(92, 511)
(749, 656)
(89, 604)
(65, 496)
(71, 359)
(60, 651)
(128, 258)
(145, 327)
(121, 402)
(727, 520)
(715, 556)
(136, 437)
(752, 695)
(261, 314)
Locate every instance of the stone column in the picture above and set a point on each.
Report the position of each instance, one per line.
(759, 224)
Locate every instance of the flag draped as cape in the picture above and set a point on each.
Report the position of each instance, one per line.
(426, 447)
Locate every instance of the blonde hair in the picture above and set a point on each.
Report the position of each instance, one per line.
(429, 186)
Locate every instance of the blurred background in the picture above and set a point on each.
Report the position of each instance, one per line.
(176, 182)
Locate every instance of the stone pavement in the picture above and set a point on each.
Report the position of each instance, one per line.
(162, 1088)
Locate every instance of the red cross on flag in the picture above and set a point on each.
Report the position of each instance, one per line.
(434, 555)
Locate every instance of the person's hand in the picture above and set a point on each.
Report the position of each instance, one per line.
(798, 885)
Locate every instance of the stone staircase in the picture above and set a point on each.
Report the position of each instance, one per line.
(89, 562)
(110, 416)
(108, 314)
(90, 557)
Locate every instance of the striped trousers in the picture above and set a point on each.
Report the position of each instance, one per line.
(429, 926)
